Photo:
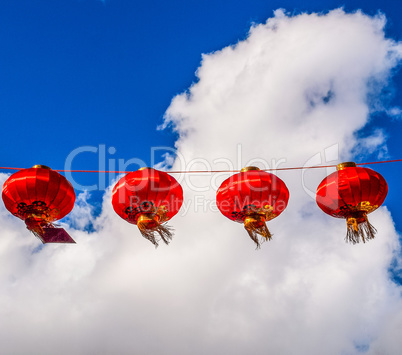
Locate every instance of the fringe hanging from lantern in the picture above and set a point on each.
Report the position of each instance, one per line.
(256, 228)
(359, 229)
(150, 226)
(37, 225)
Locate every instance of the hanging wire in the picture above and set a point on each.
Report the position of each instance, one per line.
(211, 171)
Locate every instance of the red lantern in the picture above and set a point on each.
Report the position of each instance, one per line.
(40, 196)
(148, 198)
(253, 197)
(352, 193)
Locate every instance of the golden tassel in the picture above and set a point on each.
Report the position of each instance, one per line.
(255, 226)
(36, 225)
(359, 228)
(149, 225)
(37, 217)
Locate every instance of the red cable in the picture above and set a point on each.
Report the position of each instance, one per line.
(380, 162)
(212, 171)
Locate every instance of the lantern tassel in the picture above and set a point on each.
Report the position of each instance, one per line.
(255, 227)
(36, 226)
(359, 229)
(149, 226)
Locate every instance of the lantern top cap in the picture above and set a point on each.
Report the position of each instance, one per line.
(248, 168)
(39, 166)
(347, 164)
(144, 167)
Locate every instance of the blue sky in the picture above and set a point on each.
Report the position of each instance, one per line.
(71, 67)
(93, 75)
(85, 73)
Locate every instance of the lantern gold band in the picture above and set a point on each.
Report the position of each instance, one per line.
(347, 164)
(248, 168)
(39, 166)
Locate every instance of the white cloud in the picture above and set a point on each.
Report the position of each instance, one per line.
(294, 87)
(395, 112)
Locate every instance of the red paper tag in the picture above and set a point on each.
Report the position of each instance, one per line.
(56, 235)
